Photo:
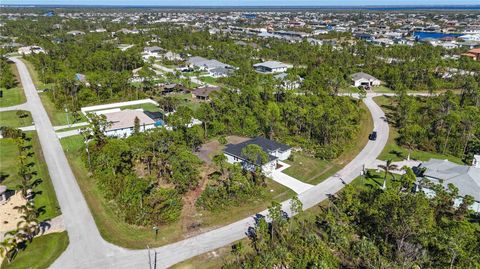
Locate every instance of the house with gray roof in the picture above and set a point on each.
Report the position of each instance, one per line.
(465, 178)
(274, 150)
(364, 79)
(215, 68)
(270, 67)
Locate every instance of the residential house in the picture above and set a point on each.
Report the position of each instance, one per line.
(474, 54)
(75, 33)
(465, 178)
(270, 67)
(214, 68)
(364, 79)
(274, 150)
(122, 122)
(30, 49)
(203, 93)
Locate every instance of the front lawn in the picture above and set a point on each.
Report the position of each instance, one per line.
(41, 253)
(116, 231)
(9, 166)
(15, 118)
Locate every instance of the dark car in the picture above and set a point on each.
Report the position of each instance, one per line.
(373, 136)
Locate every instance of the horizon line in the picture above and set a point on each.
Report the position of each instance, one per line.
(276, 6)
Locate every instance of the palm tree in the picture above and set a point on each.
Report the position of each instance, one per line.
(387, 168)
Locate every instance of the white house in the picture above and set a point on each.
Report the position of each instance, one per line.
(275, 152)
(363, 79)
(214, 68)
(270, 67)
(30, 49)
(122, 122)
(465, 178)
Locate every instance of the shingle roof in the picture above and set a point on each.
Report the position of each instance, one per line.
(465, 178)
(267, 145)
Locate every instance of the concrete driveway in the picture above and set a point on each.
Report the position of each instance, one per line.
(288, 181)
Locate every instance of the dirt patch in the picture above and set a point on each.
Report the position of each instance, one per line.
(8, 215)
(191, 219)
(213, 147)
(233, 139)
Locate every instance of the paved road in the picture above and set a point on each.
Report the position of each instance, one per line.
(23, 106)
(87, 248)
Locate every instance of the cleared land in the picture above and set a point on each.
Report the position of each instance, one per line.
(13, 119)
(13, 96)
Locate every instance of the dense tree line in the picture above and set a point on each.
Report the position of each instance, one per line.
(368, 228)
(448, 123)
(144, 175)
(7, 78)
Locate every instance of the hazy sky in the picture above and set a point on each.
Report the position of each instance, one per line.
(243, 2)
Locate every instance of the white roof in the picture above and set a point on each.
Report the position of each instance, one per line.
(272, 64)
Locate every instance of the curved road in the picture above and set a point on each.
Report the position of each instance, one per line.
(87, 248)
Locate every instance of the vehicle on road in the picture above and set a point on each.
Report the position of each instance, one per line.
(373, 136)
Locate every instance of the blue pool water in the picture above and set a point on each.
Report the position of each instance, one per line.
(434, 35)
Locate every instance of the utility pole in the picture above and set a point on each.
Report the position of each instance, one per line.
(66, 111)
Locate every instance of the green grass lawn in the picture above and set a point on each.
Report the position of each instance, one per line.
(313, 171)
(58, 116)
(9, 167)
(12, 119)
(13, 96)
(115, 230)
(41, 253)
(395, 152)
(146, 106)
(209, 80)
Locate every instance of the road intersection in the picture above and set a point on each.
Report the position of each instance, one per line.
(87, 249)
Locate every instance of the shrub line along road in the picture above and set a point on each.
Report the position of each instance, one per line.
(87, 249)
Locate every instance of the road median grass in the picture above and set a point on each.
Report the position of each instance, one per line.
(116, 231)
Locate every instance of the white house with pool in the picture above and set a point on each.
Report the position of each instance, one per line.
(465, 178)
(275, 152)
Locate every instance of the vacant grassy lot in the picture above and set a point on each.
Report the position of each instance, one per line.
(115, 230)
(13, 119)
(41, 253)
(13, 96)
(9, 166)
(393, 151)
(313, 171)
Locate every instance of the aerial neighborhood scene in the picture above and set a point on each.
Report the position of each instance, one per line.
(239, 134)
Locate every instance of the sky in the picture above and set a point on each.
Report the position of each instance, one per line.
(243, 2)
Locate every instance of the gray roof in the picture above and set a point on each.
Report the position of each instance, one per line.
(271, 64)
(361, 75)
(210, 64)
(152, 49)
(465, 178)
(266, 144)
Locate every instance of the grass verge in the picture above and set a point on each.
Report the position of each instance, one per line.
(13, 119)
(41, 253)
(9, 166)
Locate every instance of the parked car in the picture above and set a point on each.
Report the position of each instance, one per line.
(373, 136)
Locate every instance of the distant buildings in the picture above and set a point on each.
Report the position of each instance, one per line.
(30, 49)
(474, 54)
